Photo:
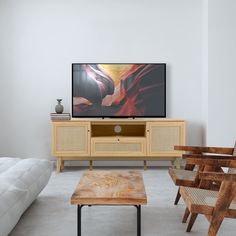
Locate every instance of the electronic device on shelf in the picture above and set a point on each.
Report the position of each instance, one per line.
(118, 90)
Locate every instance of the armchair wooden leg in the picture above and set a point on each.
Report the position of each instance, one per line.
(186, 215)
(214, 226)
(191, 221)
(177, 197)
(222, 204)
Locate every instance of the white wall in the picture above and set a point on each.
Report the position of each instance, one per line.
(204, 98)
(40, 39)
(222, 73)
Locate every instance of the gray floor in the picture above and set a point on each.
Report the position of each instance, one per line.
(52, 215)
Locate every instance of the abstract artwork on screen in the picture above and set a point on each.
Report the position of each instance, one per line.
(110, 90)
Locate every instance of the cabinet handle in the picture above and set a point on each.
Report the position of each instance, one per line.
(88, 130)
(118, 139)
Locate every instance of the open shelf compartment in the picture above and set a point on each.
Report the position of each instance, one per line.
(118, 129)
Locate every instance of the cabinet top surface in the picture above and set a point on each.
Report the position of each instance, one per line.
(107, 120)
(110, 188)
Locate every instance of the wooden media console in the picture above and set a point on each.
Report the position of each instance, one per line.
(117, 139)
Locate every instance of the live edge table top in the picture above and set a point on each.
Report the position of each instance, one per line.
(110, 188)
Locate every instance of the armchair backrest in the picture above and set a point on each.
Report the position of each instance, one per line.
(206, 159)
(227, 191)
(212, 165)
(233, 170)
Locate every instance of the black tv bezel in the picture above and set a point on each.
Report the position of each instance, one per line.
(161, 116)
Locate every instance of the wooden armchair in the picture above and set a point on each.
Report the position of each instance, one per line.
(187, 176)
(215, 205)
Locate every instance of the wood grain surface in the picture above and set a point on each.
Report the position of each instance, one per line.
(199, 149)
(110, 188)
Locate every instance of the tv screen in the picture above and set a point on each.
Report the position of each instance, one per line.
(118, 90)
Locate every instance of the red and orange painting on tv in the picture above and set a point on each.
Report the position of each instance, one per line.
(118, 90)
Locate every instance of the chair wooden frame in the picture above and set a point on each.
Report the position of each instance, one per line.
(193, 197)
(188, 175)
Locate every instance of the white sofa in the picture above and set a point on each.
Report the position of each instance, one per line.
(21, 180)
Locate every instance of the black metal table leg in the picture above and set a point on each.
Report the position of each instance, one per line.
(138, 220)
(79, 220)
(79, 207)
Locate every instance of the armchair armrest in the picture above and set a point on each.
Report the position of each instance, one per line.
(199, 149)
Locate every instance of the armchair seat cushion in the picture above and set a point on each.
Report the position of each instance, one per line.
(201, 200)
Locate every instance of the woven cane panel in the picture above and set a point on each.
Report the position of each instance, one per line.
(71, 138)
(201, 196)
(232, 171)
(118, 147)
(164, 138)
(204, 197)
(185, 174)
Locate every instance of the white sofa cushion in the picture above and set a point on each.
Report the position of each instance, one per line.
(28, 176)
(7, 162)
(11, 206)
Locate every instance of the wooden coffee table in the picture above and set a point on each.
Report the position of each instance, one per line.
(110, 188)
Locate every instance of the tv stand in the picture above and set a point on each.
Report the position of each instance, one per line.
(117, 139)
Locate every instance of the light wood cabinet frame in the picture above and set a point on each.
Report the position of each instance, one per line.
(152, 136)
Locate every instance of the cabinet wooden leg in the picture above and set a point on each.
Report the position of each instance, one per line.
(62, 165)
(58, 165)
(91, 165)
(145, 165)
(177, 163)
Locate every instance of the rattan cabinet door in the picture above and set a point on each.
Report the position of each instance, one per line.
(163, 136)
(71, 139)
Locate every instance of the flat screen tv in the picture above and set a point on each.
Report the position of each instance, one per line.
(118, 90)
